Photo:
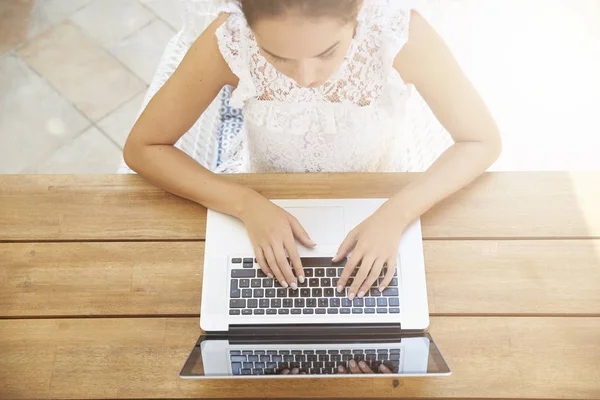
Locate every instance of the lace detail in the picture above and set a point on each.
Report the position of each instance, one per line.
(351, 123)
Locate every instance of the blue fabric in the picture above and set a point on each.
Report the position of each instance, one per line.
(230, 126)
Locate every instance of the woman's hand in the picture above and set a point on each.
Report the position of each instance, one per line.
(374, 244)
(273, 231)
(362, 368)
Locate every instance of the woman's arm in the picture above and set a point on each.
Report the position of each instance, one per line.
(427, 63)
(150, 149)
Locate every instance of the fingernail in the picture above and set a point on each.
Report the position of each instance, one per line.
(294, 286)
(340, 288)
(351, 296)
(352, 363)
(270, 276)
(362, 364)
(361, 295)
(381, 289)
(284, 284)
(340, 368)
(313, 243)
(301, 278)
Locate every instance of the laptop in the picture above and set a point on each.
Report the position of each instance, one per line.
(254, 328)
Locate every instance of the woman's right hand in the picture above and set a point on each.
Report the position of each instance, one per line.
(273, 232)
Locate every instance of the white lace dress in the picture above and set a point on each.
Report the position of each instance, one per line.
(352, 123)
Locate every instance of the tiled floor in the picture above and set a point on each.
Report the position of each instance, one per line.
(73, 74)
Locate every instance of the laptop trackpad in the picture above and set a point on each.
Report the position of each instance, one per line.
(325, 225)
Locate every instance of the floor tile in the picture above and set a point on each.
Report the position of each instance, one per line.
(110, 21)
(90, 153)
(170, 11)
(142, 51)
(21, 20)
(118, 124)
(81, 70)
(34, 119)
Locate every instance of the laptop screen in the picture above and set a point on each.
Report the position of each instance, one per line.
(297, 357)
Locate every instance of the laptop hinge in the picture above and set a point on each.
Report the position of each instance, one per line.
(315, 330)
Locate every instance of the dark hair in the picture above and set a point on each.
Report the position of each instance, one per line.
(346, 10)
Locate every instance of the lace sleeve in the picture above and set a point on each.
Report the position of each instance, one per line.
(232, 38)
(394, 17)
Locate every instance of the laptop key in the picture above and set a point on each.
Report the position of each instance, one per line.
(248, 260)
(265, 358)
(295, 365)
(393, 282)
(317, 292)
(260, 274)
(394, 311)
(255, 283)
(259, 311)
(369, 311)
(275, 303)
(375, 292)
(300, 358)
(325, 282)
(246, 293)
(246, 371)
(308, 311)
(357, 311)
(258, 372)
(334, 302)
(267, 283)
(346, 302)
(358, 302)
(296, 311)
(346, 357)
(272, 365)
(235, 293)
(319, 272)
(263, 303)
(369, 302)
(382, 302)
(243, 273)
(331, 272)
(288, 303)
(340, 271)
(277, 358)
(294, 293)
(305, 292)
(270, 293)
(259, 365)
(239, 358)
(236, 368)
(237, 303)
(283, 311)
(382, 311)
(323, 302)
(312, 357)
(329, 292)
(271, 311)
(308, 272)
(382, 351)
(247, 311)
(252, 303)
(269, 371)
(313, 282)
(390, 292)
(235, 352)
(236, 260)
(299, 303)
(371, 357)
(244, 283)
(282, 292)
(345, 311)
(332, 311)
(394, 302)
(234, 312)
(287, 358)
(259, 293)
(320, 311)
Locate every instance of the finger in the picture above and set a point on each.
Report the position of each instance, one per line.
(348, 270)
(342, 369)
(384, 370)
(285, 372)
(365, 368)
(284, 266)
(262, 262)
(295, 371)
(346, 247)
(270, 256)
(389, 274)
(372, 278)
(290, 247)
(354, 367)
(300, 233)
(361, 276)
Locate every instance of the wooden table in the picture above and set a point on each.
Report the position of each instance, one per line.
(101, 276)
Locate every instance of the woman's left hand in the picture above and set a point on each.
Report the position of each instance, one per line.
(374, 244)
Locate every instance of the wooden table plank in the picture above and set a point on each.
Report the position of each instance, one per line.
(498, 205)
(140, 358)
(463, 277)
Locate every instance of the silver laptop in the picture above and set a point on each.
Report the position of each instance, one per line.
(253, 327)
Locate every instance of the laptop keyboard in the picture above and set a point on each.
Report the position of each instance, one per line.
(312, 362)
(253, 293)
